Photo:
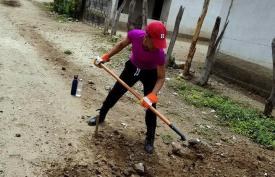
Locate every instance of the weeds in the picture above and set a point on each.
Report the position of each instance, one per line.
(241, 118)
(68, 52)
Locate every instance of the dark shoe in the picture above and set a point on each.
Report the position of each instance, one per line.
(92, 121)
(149, 145)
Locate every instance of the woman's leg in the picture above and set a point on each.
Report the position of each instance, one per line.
(118, 90)
(149, 78)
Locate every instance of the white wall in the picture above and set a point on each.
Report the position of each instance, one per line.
(190, 17)
(250, 30)
(193, 9)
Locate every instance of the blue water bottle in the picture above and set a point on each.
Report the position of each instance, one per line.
(74, 85)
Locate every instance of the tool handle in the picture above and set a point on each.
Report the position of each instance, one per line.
(178, 132)
(138, 96)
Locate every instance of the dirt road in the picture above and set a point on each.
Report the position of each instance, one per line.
(43, 130)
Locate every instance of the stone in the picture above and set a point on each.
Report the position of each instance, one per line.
(17, 135)
(193, 142)
(139, 167)
(176, 147)
(91, 82)
(63, 68)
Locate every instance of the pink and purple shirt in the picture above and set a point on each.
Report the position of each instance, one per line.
(140, 57)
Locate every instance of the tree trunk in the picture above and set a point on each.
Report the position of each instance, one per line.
(144, 13)
(192, 48)
(210, 53)
(210, 57)
(107, 18)
(114, 14)
(171, 62)
(118, 12)
(131, 20)
(270, 102)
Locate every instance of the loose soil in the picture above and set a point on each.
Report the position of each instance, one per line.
(43, 129)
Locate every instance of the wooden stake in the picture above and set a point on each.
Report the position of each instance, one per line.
(96, 128)
(210, 57)
(210, 53)
(144, 13)
(270, 102)
(195, 38)
(130, 23)
(118, 12)
(107, 18)
(174, 37)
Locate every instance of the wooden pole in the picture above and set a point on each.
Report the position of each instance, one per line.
(107, 18)
(195, 38)
(114, 12)
(210, 53)
(270, 102)
(210, 57)
(130, 23)
(118, 12)
(144, 13)
(171, 62)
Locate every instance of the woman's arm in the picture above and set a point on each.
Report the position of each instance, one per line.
(160, 80)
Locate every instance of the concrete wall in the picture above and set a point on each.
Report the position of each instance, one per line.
(191, 14)
(250, 30)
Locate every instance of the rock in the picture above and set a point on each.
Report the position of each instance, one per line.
(63, 68)
(124, 125)
(193, 142)
(97, 172)
(108, 88)
(199, 146)
(218, 144)
(139, 167)
(128, 171)
(69, 144)
(133, 175)
(176, 147)
(17, 135)
(91, 82)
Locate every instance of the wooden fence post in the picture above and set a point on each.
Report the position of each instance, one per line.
(195, 38)
(270, 102)
(107, 18)
(144, 13)
(210, 53)
(169, 59)
(114, 12)
(210, 57)
(116, 21)
(130, 23)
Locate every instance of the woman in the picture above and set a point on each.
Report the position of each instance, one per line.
(146, 64)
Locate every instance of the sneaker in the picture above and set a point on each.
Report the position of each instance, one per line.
(92, 121)
(149, 145)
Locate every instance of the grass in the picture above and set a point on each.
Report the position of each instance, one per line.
(68, 52)
(241, 118)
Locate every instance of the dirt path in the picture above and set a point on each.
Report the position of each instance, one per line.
(54, 139)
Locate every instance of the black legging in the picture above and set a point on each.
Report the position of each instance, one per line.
(130, 75)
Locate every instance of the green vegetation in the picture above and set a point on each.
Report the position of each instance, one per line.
(67, 52)
(241, 118)
(166, 138)
(66, 7)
